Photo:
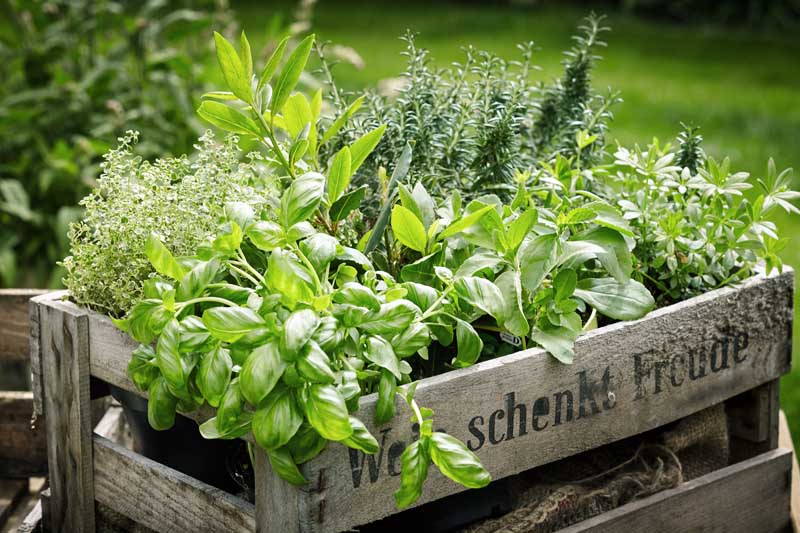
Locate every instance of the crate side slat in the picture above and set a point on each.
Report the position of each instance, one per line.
(721, 501)
(14, 328)
(745, 333)
(161, 498)
(65, 362)
(23, 450)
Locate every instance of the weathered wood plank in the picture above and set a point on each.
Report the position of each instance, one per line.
(271, 488)
(14, 328)
(34, 347)
(23, 449)
(524, 410)
(785, 441)
(749, 496)
(161, 498)
(65, 362)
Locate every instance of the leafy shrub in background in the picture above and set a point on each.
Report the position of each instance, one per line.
(474, 125)
(180, 199)
(76, 75)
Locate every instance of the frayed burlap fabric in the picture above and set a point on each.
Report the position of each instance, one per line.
(563, 493)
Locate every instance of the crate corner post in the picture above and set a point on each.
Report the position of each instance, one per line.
(64, 357)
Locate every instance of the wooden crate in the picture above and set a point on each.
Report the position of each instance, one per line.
(516, 412)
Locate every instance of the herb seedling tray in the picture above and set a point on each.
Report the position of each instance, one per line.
(516, 412)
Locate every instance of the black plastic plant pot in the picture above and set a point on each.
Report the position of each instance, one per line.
(216, 462)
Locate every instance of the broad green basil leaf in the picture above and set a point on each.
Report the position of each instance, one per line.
(287, 278)
(360, 150)
(457, 462)
(465, 222)
(229, 324)
(272, 63)
(161, 258)
(346, 204)
(230, 407)
(423, 296)
(283, 464)
(168, 357)
(479, 261)
(228, 118)
(349, 315)
(613, 253)
(235, 293)
(306, 444)
(564, 283)
(520, 227)
(234, 72)
(469, 345)
(161, 405)
(510, 284)
(297, 330)
(300, 121)
(387, 387)
(157, 289)
(228, 243)
(357, 294)
(290, 75)
(142, 368)
(536, 258)
(421, 270)
(609, 217)
(559, 342)
(320, 249)
(361, 439)
(620, 301)
(214, 374)
(482, 294)
(197, 279)
(408, 229)
(407, 200)
(393, 317)
(241, 213)
(349, 387)
(328, 334)
(266, 235)
(314, 364)
(301, 230)
(327, 413)
(210, 429)
(147, 319)
(277, 419)
(425, 203)
(413, 472)
(302, 198)
(351, 255)
(261, 372)
(339, 174)
(443, 333)
(380, 352)
(414, 337)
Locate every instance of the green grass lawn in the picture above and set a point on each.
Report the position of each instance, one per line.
(742, 88)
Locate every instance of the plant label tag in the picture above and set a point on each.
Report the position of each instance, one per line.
(513, 340)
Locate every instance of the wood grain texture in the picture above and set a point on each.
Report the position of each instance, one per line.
(785, 441)
(14, 328)
(749, 496)
(34, 347)
(64, 349)
(627, 378)
(161, 498)
(23, 449)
